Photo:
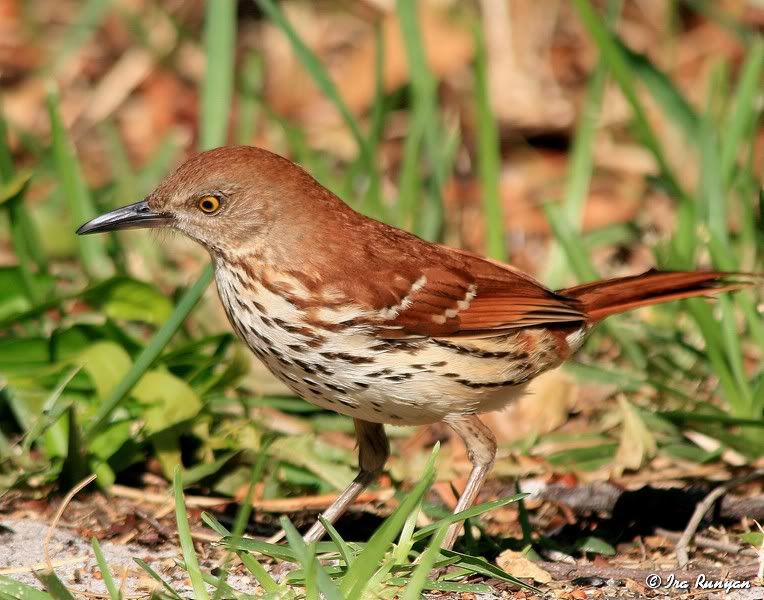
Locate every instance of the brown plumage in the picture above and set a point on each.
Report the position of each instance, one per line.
(370, 321)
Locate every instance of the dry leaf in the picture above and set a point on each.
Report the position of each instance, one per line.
(637, 443)
(519, 565)
(543, 409)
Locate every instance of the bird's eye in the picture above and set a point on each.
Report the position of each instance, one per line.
(209, 204)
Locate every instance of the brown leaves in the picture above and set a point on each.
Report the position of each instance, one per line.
(519, 565)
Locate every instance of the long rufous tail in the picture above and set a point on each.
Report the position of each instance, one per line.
(601, 299)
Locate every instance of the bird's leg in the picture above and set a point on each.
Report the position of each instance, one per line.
(373, 450)
(481, 450)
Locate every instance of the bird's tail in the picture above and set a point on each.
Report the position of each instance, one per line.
(601, 299)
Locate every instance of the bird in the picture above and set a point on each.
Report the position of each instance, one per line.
(367, 320)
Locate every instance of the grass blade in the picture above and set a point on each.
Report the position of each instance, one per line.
(250, 562)
(240, 524)
(581, 164)
(425, 209)
(447, 586)
(674, 104)
(217, 87)
(345, 553)
(216, 114)
(370, 557)
(611, 53)
(106, 576)
(52, 409)
(578, 258)
(426, 561)
(157, 577)
(319, 74)
(743, 113)
(489, 161)
(708, 326)
(54, 586)
(483, 567)
(87, 20)
(306, 556)
(186, 542)
(684, 240)
(11, 588)
(249, 97)
(91, 248)
(469, 513)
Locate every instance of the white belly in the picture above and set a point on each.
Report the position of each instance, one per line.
(356, 374)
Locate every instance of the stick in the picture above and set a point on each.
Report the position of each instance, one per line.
(702, 508)
(67, 499)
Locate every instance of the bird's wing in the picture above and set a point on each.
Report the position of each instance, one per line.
(466, 295)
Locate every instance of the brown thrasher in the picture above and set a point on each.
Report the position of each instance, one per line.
(370, 321)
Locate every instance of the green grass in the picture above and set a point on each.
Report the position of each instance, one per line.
(102, 372)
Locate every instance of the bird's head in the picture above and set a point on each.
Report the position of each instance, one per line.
(229, 199)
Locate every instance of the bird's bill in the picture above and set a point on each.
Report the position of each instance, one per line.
(132, 216)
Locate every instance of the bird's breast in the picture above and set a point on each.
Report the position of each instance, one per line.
(323, 356)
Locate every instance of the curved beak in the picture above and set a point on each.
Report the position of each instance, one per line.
(132, 216)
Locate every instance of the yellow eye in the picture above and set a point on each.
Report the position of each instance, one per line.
(209, 204)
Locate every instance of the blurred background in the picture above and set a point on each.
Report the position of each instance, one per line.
(575, 140)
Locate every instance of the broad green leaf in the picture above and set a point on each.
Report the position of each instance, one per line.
(111, 439)
(133, 300)
(23, 351)
(300, 450)
(150, 353)
(26, 400)
(755, 538)
(11, 189)
(168, 400)
(13, 299)
(595, 545)
(106, 364)
(202, 470)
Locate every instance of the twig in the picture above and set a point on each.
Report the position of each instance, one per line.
(702, 508)
(319, 502)
(67, 499)
(760, 553)
(295, 504)
(565, 572)
(707, 542)
(32, 568)
(123, 491)
(123, 581)
(603, 497)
